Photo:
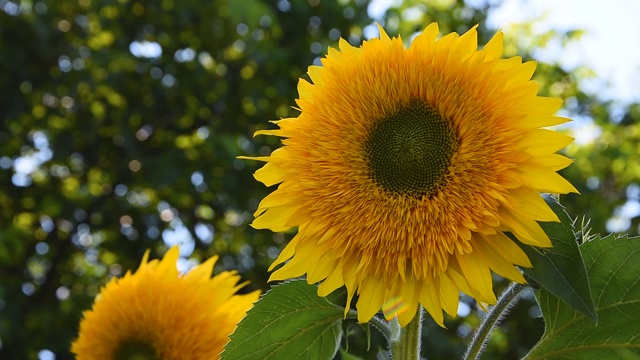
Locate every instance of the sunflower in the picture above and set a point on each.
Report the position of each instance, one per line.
(158, 314)
(405, 168)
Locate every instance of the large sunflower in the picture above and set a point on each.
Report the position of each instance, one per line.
(405, 168)
(158, 314)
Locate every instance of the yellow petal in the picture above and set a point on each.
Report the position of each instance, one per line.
(202, 271)
(320, 268)
(526, 230)
(346, 48)
(498, 263)
(478, 277)
(468, 42)
(430, 299)
(270, 174)
(455, 274)
(553, 162)
(427, 38)
(305, 89)
(285, 254)
(383, 34)
(523, 73)
(257, 158)
(544, 142)
(449, 294)
(528, 201)
(349, 278)
(508, 249)
(275, 219)
(167, 266)
(371, 297)
(333, 282)
(298, 265)
(544, 180)
(315, 73)
(410, 296)
(494, 48)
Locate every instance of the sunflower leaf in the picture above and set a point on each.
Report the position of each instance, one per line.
(290, 321)
(560, 269)
(613, 265)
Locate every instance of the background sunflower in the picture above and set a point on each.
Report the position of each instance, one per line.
(157, 313)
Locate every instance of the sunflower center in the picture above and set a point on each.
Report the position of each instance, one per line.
(409, 151)
(135, 350)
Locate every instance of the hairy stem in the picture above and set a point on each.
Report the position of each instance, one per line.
(508, 298)
(406, 346)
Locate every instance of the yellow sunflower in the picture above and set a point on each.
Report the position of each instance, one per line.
(405, 168)
(157, 313)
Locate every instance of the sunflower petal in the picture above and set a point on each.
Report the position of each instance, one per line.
(449, 295)
(508, 249)
(479, 277)
(430, 299)
(494, 48)
(502, 266)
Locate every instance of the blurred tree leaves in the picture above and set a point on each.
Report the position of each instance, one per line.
(121, 123)
(121, 120)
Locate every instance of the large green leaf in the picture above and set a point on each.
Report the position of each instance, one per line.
(560, 269)
(289, 322)
(614, 272)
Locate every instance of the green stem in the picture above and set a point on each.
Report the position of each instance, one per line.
(508, 298)
(407, 344)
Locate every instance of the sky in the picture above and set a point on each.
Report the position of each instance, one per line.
(610, 47)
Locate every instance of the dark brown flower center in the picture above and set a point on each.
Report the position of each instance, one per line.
(409, 151)
(135, 350)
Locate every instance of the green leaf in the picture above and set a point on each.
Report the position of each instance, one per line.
(290, 321)
(614, 268)
(561, 269)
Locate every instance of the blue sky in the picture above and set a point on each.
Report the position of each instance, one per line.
(610, 46)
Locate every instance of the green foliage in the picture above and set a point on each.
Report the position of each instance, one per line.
(289, 321)
(560, 269)
(613, 265)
